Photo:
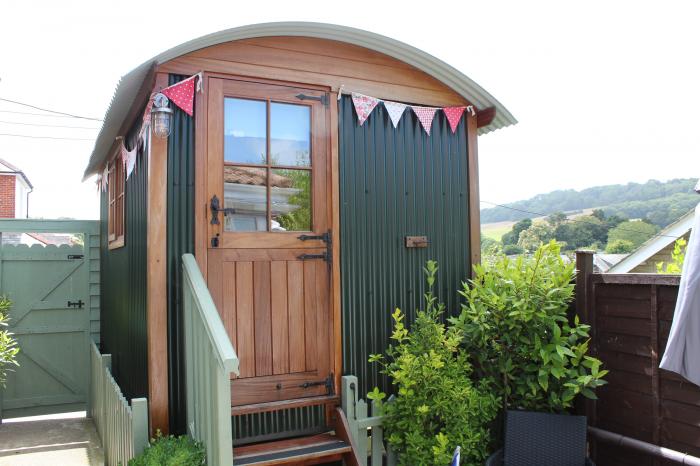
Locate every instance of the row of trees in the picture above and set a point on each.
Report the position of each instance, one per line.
(598, 231)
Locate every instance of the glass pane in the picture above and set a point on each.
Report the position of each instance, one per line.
(245, 131)
(291, 200)
(245, 190)
(290, 134)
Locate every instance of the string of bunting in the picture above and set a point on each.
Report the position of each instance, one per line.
(182, 95)
(365, 104)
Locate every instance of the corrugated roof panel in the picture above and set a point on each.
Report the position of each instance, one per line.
(128, 87)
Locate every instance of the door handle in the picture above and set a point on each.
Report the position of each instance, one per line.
(215, 207)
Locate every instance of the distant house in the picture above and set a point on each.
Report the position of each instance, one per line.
(14, 191)
(656, 249)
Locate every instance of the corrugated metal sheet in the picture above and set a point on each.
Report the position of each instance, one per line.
(393, 183)
(180, 240)
(130, 83)
(123, 279)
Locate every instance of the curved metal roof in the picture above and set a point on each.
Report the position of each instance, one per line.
(129, 85)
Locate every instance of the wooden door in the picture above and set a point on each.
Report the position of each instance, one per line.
(268, 223)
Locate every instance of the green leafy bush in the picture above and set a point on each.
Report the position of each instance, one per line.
(677, 259)
(437, 406)
(171, 451)
(516, 332)
(8, 345)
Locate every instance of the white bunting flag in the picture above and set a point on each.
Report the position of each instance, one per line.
(395, 110)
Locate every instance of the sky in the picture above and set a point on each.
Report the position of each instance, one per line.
(604, 91)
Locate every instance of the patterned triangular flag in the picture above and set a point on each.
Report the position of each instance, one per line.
(182, 94)
(129, 159)
(395, 110)
(364, 105)
(425, 116)
(453, 115)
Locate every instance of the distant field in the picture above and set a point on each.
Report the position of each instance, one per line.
(496, 230)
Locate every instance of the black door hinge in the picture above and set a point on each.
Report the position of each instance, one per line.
(75, 256)
(79, 304)
(324, 99)
(328, 382)
(326, 238)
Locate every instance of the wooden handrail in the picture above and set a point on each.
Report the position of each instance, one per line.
(209, 361)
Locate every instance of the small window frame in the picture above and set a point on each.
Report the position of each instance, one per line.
(116, 197)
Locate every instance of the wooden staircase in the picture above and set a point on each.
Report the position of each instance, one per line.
(334, 445)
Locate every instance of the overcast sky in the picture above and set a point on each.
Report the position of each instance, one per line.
(606, 93)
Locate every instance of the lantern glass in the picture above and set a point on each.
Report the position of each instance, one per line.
(160, 121)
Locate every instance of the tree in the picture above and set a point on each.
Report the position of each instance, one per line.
(583, 231)
(636, 232)
(512, 236)
(538, 234)
(619, 246)
(512, 250)
(556, 219)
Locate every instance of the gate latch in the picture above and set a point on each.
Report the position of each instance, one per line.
(79, 304)
(328, 382)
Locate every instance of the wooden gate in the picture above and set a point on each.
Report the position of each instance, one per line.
(55, 294)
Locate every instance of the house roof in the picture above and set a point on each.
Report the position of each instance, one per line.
(12, 169)
(254, 176)
(128, 87)
(655, 244)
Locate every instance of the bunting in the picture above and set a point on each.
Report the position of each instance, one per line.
(182, 94)
(425, 116)
(365, 104)
(128, 159)
(395, 111)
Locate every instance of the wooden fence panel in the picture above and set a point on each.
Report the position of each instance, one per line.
(631, 317)
(123, 429)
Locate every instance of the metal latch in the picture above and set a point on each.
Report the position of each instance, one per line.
(215, 206)
(79, 304)
(417, 241)
(328, 382)
(324, 99)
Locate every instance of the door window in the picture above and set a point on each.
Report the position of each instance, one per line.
(267, 165)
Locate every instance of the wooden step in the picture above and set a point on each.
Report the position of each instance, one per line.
(317, 449)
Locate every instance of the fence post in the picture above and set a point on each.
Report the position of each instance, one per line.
(139, 424)
(348, 402)
(585, 310)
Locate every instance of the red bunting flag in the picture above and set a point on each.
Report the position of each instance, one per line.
(453, 115)
(364, 105)
(425, 116)
(182, 94)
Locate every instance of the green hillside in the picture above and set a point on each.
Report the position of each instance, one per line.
(658, 202)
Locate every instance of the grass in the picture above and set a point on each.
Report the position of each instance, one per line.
(496, 230)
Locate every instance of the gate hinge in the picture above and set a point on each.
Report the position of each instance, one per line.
(326, 238)
(79, 304)
(74, 256)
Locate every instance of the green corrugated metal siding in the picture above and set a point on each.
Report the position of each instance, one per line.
(180, 232)
(123, 293)
(393, 183)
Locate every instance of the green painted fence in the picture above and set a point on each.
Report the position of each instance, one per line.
(209, 362)
(123, 428)
(55, 293)
(365, 427)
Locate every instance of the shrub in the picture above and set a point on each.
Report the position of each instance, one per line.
(171, 451)
(619, 246)
(677, 259)
(517, 333)
(437, 406)
(8, 345)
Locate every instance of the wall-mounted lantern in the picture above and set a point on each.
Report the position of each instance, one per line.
(161, 116)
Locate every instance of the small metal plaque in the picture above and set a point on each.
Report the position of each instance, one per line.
(417, 241)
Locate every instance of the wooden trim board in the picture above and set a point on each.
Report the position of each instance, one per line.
(474, 214)
(157, 302)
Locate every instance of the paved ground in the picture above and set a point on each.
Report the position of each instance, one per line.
(50, 441)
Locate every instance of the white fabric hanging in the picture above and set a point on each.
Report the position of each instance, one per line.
(682, 354)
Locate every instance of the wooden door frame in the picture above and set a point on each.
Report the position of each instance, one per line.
(201, 237)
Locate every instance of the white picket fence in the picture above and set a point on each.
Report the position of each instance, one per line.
(366, 429)
(123, 429)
